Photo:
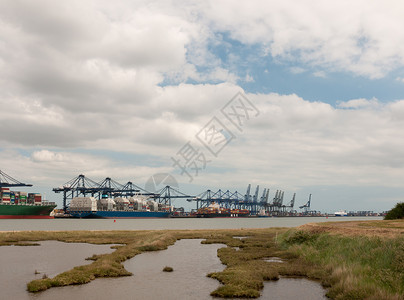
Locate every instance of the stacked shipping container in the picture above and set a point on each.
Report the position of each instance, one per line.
(12, 197)
(34, 198)
(5, 195)
(23, 198)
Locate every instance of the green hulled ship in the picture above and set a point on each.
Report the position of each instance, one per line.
(26, 211)
(21, 205)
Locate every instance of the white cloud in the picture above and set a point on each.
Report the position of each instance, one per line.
(343, 36)
(112, 77)
(360, 103)
(304, 143)
(47, 156)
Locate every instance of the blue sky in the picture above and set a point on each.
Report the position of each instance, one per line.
(117, 89)
(291, 76)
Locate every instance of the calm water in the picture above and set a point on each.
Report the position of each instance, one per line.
(187, 281)
(18, 264)
(149, 224)
(190, 260)
(293, 288)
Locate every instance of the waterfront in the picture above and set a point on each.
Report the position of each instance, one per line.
(171, 223)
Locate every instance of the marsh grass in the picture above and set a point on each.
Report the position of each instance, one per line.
(352, 267)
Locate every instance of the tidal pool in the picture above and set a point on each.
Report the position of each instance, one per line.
(190, 259)
(19, 263)
(292, 289)
(191, 262)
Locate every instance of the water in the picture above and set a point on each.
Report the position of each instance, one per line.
(191, 262)
(174, 223)
(190, 259)
(187, 281)
(293, 288)
(274, 260)
(19, 263)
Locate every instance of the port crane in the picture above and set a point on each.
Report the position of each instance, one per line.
(226, 199)
(276, 206)
(306, 207)
(233, 200)
(167, 193)
(84, 186)
(8, 181)
(290, 205)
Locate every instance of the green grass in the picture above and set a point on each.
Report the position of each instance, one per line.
(353, 267)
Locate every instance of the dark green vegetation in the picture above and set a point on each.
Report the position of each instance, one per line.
(246, 269)
(354, 260)
(396, 213)
(352, 267)
(168, 269)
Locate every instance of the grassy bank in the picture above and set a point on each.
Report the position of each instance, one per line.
(352, 265)
(354, 260)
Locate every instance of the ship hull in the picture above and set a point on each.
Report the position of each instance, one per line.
(119, 214)
(214, 215)
(14, 211)
(240, 215)
(340, 214)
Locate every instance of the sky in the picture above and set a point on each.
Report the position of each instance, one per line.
(301, 96)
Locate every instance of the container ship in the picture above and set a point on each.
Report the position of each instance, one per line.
(214, 210)
(138, 206)
(22, 205)
(341, 213)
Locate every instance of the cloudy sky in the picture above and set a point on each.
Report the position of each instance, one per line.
(123, 90)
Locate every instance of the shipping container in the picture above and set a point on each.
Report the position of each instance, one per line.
(31, 198)
(23, 199)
